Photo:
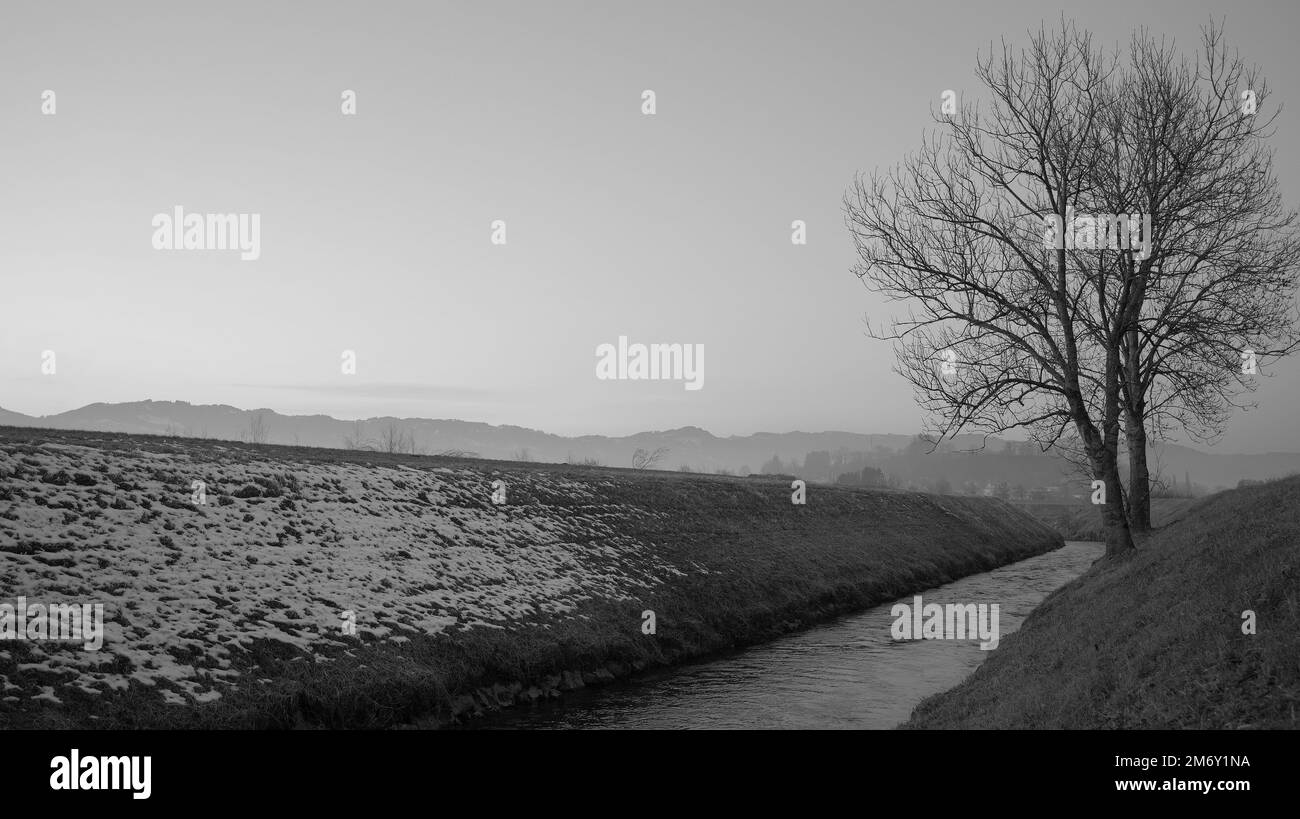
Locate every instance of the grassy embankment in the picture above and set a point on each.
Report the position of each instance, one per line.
(1155, 640)
(230, 613)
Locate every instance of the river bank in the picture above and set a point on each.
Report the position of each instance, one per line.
(848, 673)
(1082, 521)
(468, 585)
(1199, 628)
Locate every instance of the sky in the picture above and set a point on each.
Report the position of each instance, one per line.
(376, 228)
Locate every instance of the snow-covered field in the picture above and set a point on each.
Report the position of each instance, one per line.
(279, 551)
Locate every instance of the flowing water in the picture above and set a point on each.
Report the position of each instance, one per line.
(848, 673)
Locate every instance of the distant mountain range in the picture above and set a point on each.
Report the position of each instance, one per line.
(689, 446)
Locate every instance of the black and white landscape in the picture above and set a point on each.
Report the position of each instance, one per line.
(562, 365)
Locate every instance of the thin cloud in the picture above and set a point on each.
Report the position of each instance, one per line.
(393, 391)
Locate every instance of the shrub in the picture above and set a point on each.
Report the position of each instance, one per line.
(271, 487)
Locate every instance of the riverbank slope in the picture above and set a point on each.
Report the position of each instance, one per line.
(1156, 640)
(268, 586)
(1075, 521)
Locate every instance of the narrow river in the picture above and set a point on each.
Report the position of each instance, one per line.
(845, 674)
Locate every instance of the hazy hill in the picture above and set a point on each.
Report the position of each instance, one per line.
(688, 446)
(692, 446)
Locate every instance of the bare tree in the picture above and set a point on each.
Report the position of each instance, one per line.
(390, 439)
(1146, 334)
(357, 439)
(397, 441)
(1221, 275)
(257, 429)
(1004, 332)
(523, 455)
(645, 459)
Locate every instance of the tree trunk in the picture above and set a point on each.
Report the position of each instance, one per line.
(1139, 476)
(1101, 447)
(1119, 540)
(1103, 453)
(1135, 405)
(1105, 464)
